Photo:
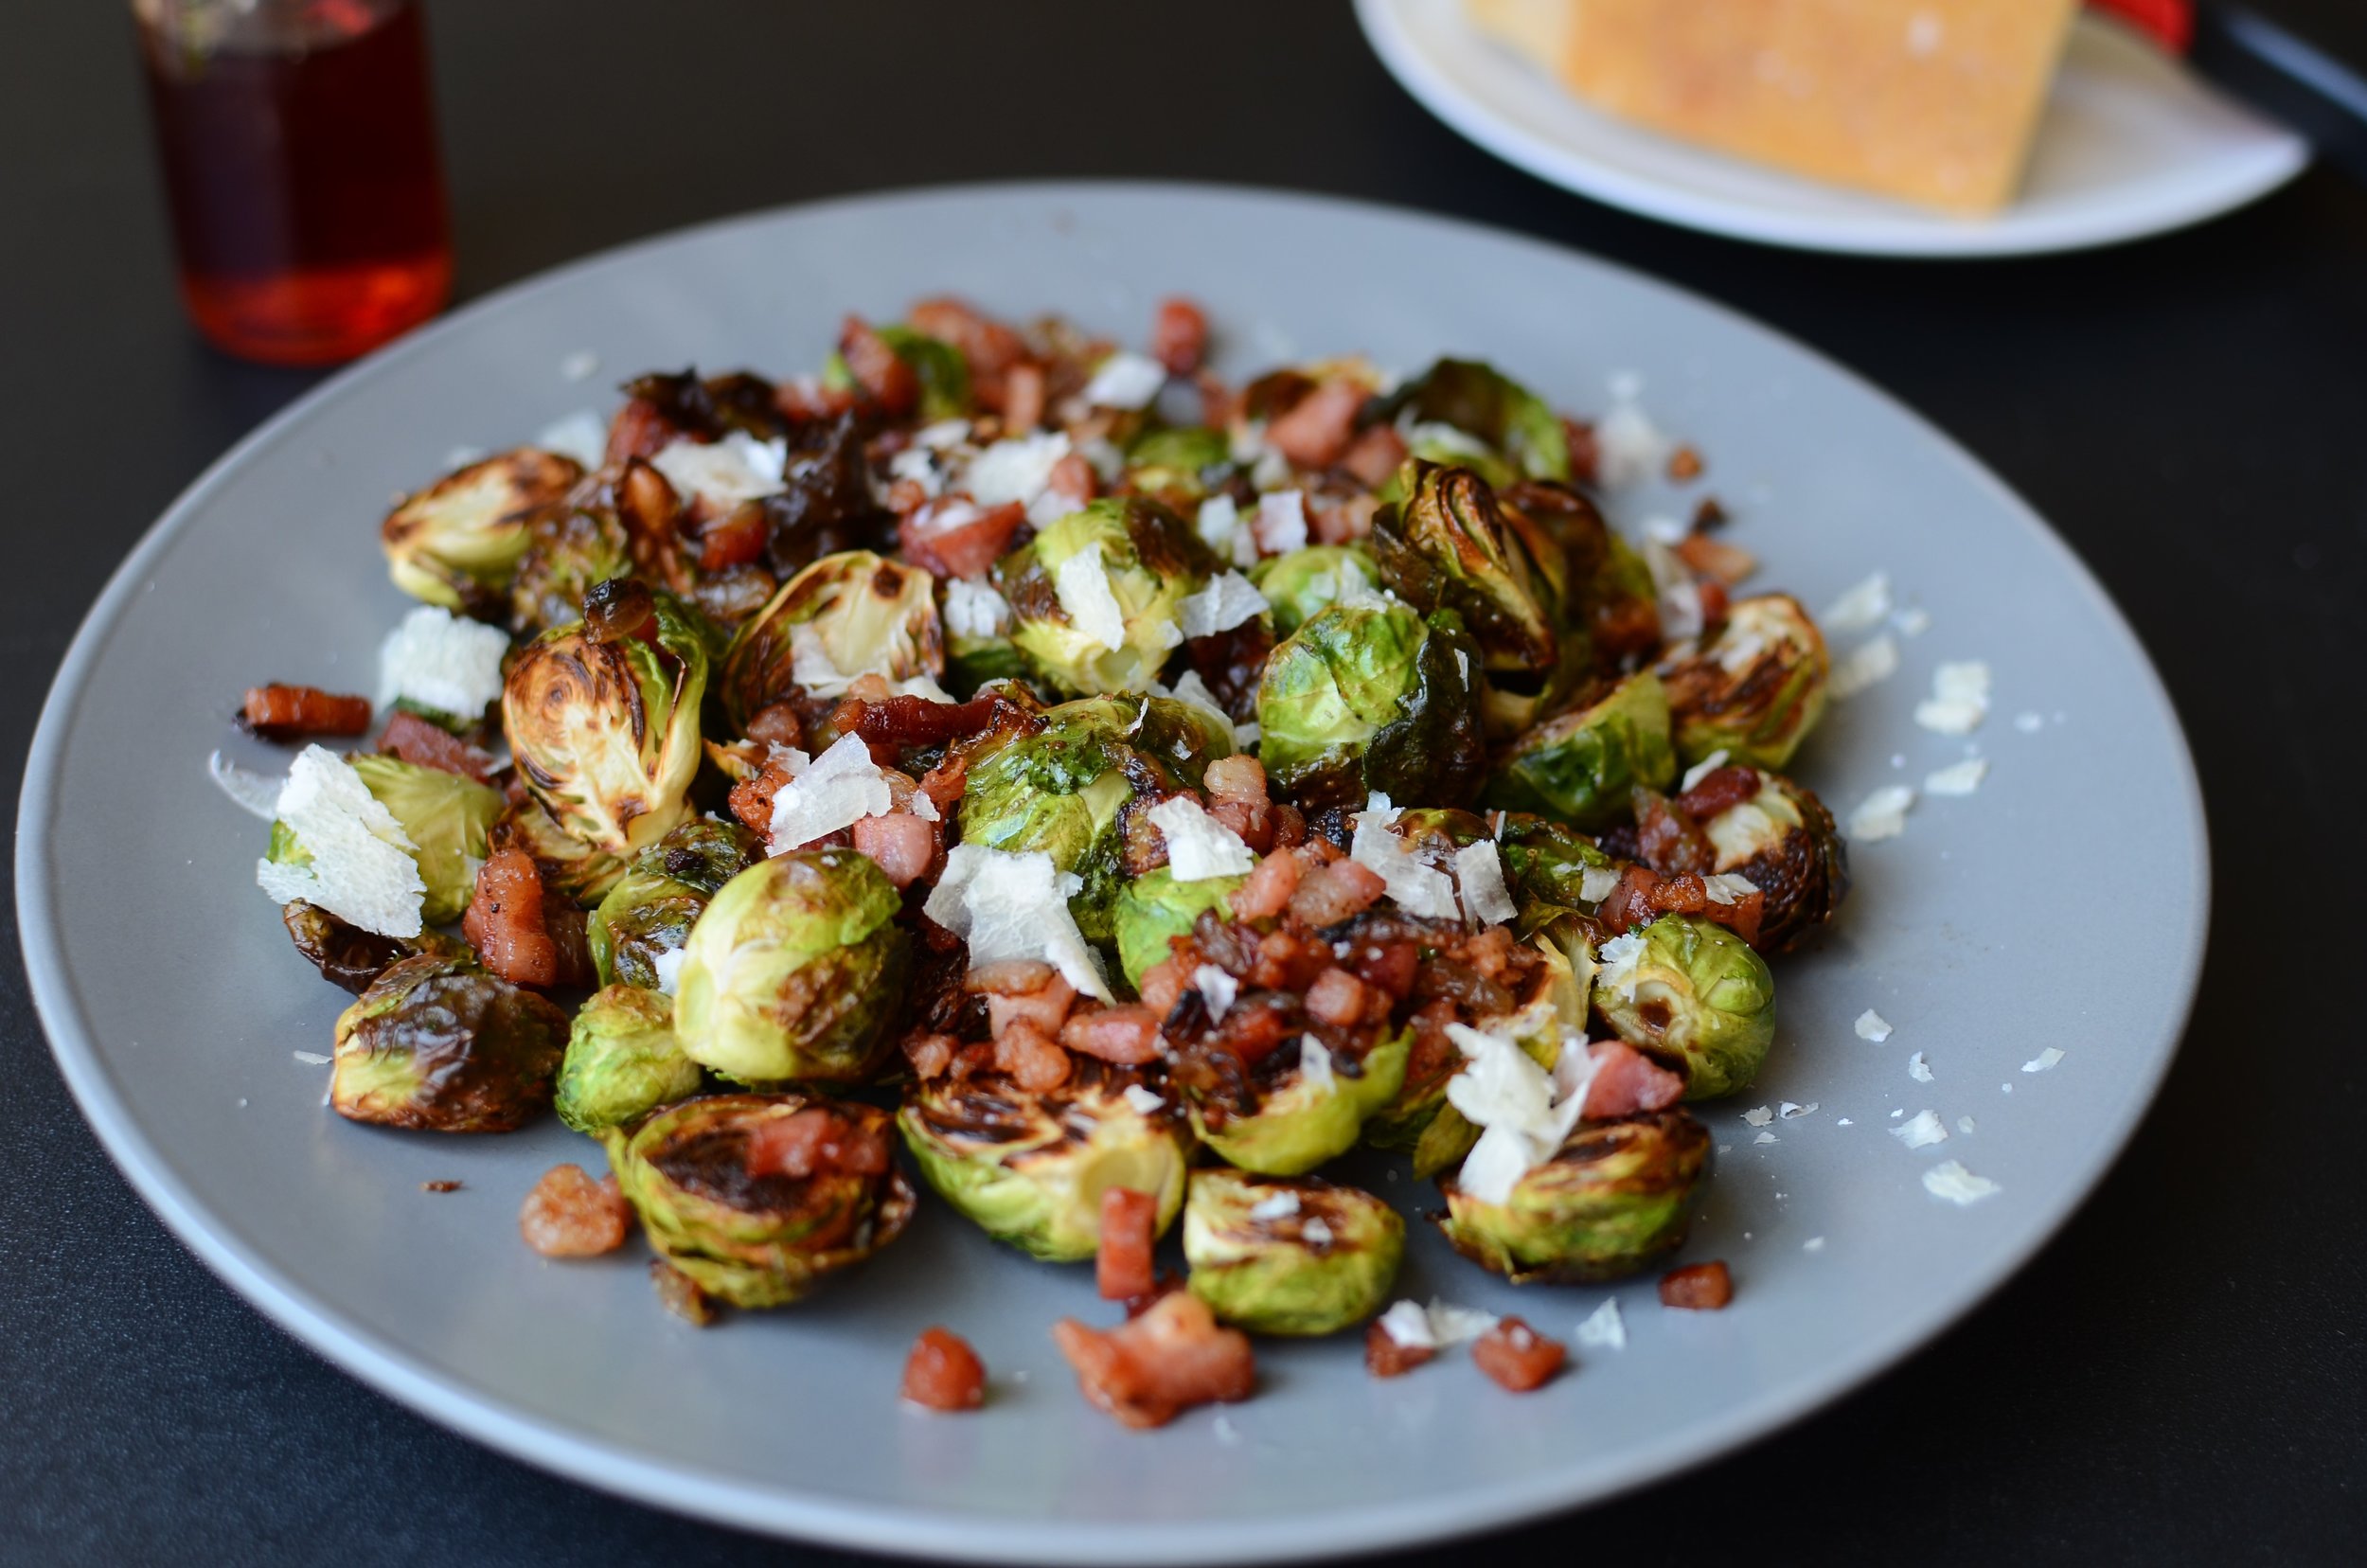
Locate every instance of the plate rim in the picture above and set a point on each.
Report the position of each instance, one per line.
(1906, 235)
(907, 1530)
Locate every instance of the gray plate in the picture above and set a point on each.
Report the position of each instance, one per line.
(268, 569)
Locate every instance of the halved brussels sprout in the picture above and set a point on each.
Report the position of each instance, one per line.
(1301, 584)
(1154, 909)
(1449, 542)
(1299, 1257)
(1178, 466)
(1783, 839)
(795, 973)
(755, 1237)
(1546, 862)
(458, 543)
(438, 1046)
(606, 734)
(570, 551)
(850, 613)
(1616, 1195)
(1369, 699)
(1693, 997)
(1581, 766)
(1755, 690)
(1030, 1168)
(623, 1061)
(1297, 1119)
(650, 910)
(1482, 402)
(1149, 561)
(446, 817)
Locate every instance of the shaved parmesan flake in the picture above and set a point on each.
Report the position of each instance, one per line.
(1881, 814)
(1597, 883)
(1663, 530)
(1861, 608)
(1081, 584)
(1480, 875)
(1728, 888)
(1793, 1113)
(1959, 700)
(1868, 664)
(1921, 1131)
(2043, 1061)
(1412, 1324)
(1628, 447)
(1144, 1098)
(919, 464)
(1916, 1070)
(1418, 889)
(1015, 906)
(1702, 769)
(1814, 1243)
(837, 789)
(1218, 524)
(1409, 1325)
(1217, 989)
(1951, 1181)
(1679, 595)
(1872, 1026)
(1125, 380)
(1913, 622)
(1764, 1138)
(1522, 1112)
(2030, 724)
(362, 869)
(581, 436)
(310, 1058)
(1018, 469)
(1603, 1329)
(1619, 958)
(1198, 847)
(1315, 1065)
(439, 661)
(1281, 522)
(1275, 1205)
(581, 365)
(1225, 604)
(257, 794)
(669, 965)
(1959, 778)
(1964, 1124)
(737, 468)
(1759, 1115)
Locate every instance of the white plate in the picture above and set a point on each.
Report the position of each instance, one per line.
(2132, 144)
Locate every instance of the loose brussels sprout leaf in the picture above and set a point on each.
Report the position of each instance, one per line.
(753, 1240)
(795, 973)
(944, 373)
(1306, 1117)
(1618, 1195)
(1580, 768)
(438, 1045)
(570, 551)
(446, 817)
(606, 734)
(1477, 397)
(1030, 1168)
(1299, 1257)
(1096, 596)
(622, 1061)
(1694, 998)
(651, 910)
(1755, 690)
(1784, 841)
(1298, 585)
(1153, 909)
(458, 543)
(1372, 699)
(850, 613)
(347, 956)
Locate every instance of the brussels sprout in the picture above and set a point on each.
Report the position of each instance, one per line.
(1694, 998)
(1581, 767)
(1288, 1257)
(1296, 1120)
(650, 910)
(1177, 467)
(1546, 862)
(795, 973)
(1030, 1168)
(1783, 839)
(1449, 542)
(347, 956)
(622, 1061)
(1372, 697)
(847, 615)
(458, 543)
(1154, 909)
(446, 817)
(755, 1237)
(1300, 583)
(943, 372)
(1151, 561)
(606, 734)
(438, 1046)
(1755, 690)
(1482, 402)
(1616, 1195)
(570, 550)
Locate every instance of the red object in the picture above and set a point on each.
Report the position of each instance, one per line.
(1385, 1358)
(424, 745)
(1701, 1287)
(944, 1373)
(1129, 1222)
(1517, 1356)
(284, 712)
(300, 165)
(2171, 22)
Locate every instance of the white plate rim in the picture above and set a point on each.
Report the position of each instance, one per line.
(1377, 1527)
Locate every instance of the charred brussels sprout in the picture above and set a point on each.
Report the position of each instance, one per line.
(1694, 998)
(1030, 1168)
(349, 957)
(606, 735)
(1581, 767)
(1313, 1111)
(1548, 864)
(1288, 1257)
(458, 543)
(438, 1045)
(1480, 401)
(446, 817)
(650, 910)
(1152, 910)
(623, 1061)
(1177, 467)
(796, 971)
(1301, 583)
(1755, 690)
(1372, 697)
(847, 615)
(1094, 596)
(1616, 1196)
(707, 1178)
(570, 551)
(1783, 840)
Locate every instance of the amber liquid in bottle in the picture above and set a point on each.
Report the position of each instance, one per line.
(307, 196)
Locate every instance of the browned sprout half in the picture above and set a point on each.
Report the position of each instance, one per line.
(438, 1046)
(458, 543)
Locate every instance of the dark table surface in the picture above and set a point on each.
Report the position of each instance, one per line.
(2179, 1374)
